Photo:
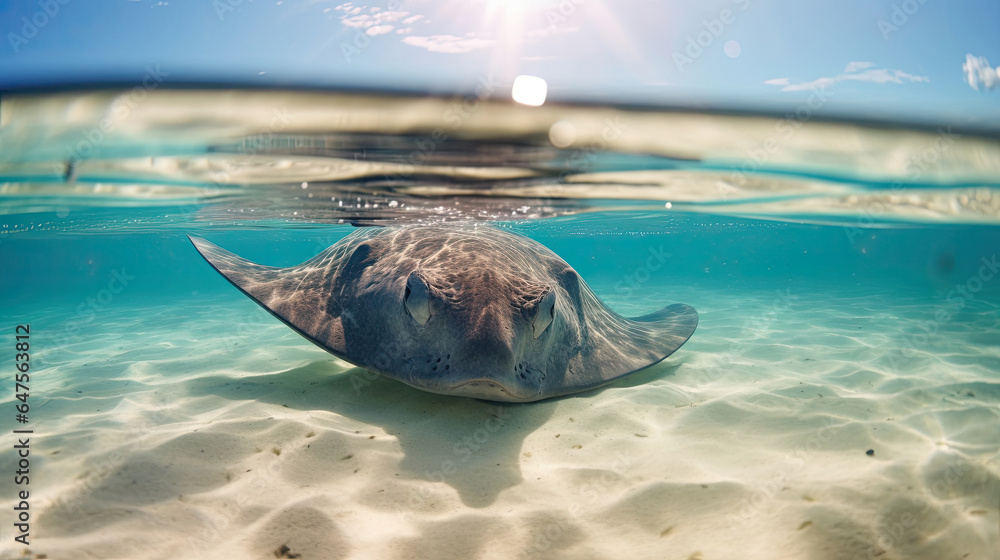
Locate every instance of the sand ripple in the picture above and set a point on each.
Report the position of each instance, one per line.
(220, 434)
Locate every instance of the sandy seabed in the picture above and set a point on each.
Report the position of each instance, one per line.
(203, 428)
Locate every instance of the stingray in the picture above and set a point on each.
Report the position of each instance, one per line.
(471, 311)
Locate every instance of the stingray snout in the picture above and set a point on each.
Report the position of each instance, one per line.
(486, 357)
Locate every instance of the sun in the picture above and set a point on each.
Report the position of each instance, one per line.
(523, 31)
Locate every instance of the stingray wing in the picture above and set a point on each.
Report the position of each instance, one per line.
(300, 296)
(615, 346)
(680, 318)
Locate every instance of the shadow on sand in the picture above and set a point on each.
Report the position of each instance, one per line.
(473, 446)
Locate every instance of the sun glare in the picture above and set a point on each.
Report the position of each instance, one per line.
(529, 90)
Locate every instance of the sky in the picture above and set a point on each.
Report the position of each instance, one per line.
(927, 60)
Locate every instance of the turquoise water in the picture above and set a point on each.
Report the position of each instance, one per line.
(622, 250)
(846, 276)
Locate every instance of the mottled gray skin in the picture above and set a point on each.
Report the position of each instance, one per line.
(470, 311)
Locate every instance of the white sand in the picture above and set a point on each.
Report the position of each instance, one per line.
(209, 430)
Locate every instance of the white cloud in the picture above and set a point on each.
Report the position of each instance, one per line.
(448, 43)
(883, 76)
(372, 19)
(855, 66)
(868, 74)
(378, 30)
(978, 71)
(820, 83)
(348, 8)
(356, 21)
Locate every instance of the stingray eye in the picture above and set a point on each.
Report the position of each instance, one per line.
(544, 315)
(417, 299)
